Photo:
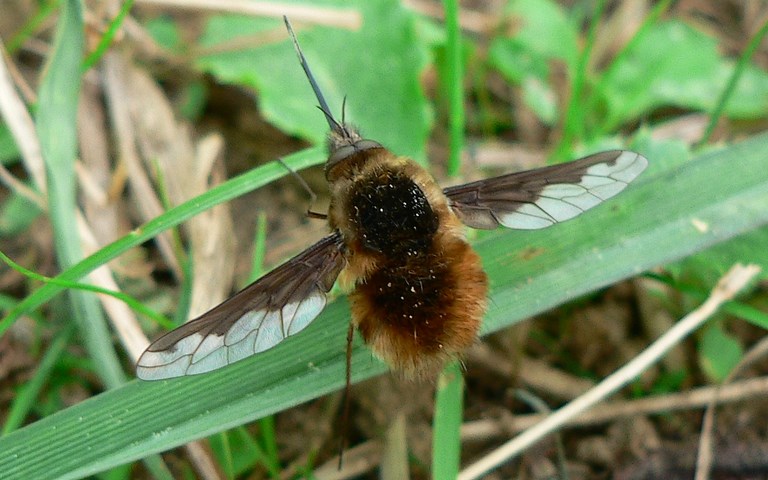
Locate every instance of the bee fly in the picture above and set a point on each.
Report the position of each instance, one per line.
(419, 289)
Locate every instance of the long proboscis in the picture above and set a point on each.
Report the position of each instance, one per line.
(332, 122)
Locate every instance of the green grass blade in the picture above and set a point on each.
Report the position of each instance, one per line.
(131, 302)
(109, 35)
(454, 84)
(672, 211)
(268, 437)
(738, 70)
(221, 193)
(57, 129)
(43, 14)
(573, 126)
(449, 407)
(27, 394)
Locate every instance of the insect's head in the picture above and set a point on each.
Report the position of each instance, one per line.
(344, 141)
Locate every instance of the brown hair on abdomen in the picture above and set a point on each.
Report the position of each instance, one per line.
(419, 311)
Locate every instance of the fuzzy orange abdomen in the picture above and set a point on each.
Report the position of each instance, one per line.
(419, 313)
(420, 290)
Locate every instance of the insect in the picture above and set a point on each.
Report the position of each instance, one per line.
(419, 290)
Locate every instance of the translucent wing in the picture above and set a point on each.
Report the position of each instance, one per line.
(542, 197)
(257, 318)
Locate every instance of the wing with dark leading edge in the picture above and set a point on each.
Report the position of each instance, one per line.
(257, 318)
(539, 198)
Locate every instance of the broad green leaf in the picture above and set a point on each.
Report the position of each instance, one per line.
(653, 222)
(673, 64)
(56, 125)
(666, 152)
(719, 352)
(385, 52)
(541, 33)
(707, 267)
(165, 32)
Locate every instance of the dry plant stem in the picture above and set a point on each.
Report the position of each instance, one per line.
(656, 318)
(357, 461)
(23, 130)
(346, 18)
(201, 455)
(90, 186)
(134, 125)
(116, 71)
(487, 429)
(28, 95)
(20, 123)
(121, 317)
(662, 404)
(534, 374)
(13, 183)
(394, 456)
(704, 458)
(733, 281)
(470, 20)
(183, 169)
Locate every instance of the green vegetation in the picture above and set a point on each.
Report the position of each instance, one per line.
(696, 210)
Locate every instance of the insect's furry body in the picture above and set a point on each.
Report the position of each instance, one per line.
(420, 290)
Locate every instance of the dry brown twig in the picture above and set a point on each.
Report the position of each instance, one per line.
(496, 427)
(655, 405)
(705, 458)
(339, 17)
(729, 285)
(20, 123)
(23, 129)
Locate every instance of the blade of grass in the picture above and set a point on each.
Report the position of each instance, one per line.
(127, 299)
(446, 441)
(738, 70)
(221, 193)
(27, 394)
(57, 129)
(158, 468)
(270, 459)
(56, 122)
(446, 445)
(106, 40)
(454, 85)
(181, 314)
(573, 127)
(658, 219)
(43, 13)
(394, 454)
(226, 453)
(749, 313)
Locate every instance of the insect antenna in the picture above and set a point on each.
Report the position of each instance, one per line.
(332, 122)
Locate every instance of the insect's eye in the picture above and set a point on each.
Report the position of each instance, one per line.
(341, 152)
